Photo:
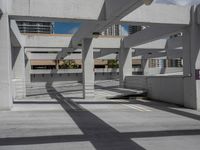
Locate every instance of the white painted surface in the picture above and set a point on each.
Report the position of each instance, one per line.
(62, 9)
(88, 68)
(162, 88)
(125, 63)
(160, 14)
(5, 61)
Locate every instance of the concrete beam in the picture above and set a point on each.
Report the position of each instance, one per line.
(64, 41)
(46, 41)
(97, 55)
(81, 10)
(155, 55)
(176, 53)
(170, 53)
(157, 44)
(112, 11)
(17, 39)
(36, 56)
(109, 56)
(42, 42)
(146, 51)
(44, 49)
(150, 53)
(107, 42)
(63, 10)
(71, 10)
(159, 14)
(175, 42)
(6, 65)
(151, 34)
(117, 9)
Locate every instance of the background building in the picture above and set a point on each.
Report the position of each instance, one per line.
(35, 27)
(114, 30)
(133, 29)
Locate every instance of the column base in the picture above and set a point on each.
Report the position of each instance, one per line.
(88, 91)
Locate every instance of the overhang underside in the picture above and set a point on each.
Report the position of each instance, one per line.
(81, 11)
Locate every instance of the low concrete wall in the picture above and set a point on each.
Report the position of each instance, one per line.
(166, 88)
(154, 71)
(136, 82)
(71, 77)
(162, 88)
(46, 75)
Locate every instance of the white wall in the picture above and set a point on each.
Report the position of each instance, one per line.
(154, 71)
(71, 77)
(166, 88)
(162, 88)
(136, 82)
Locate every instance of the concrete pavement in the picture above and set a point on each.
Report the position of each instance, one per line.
(99, 124)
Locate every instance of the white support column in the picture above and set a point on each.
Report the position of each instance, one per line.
(88, 68)
(191, 48)
(27, 68)
(19, 72)
(5, 64)
(145, 65)
(125, 64)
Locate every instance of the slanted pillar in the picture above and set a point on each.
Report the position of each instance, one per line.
(88, 68)
(18, 64)
(191, 56)
(145, 65)
(125, 64)
(27, 68)
(5, 64)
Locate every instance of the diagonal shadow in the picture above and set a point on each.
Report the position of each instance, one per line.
(170, 110)
(82, 138)
(95, 130)
(112, 89)
(102, 135)
(153, 104)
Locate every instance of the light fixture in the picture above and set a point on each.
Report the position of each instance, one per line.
(148, 2)
(96, 34)
(79, 44)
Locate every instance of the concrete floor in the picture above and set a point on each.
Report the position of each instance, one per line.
(101, 124)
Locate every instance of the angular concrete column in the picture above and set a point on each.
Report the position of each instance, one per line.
(5, 64)
(191, 58)
(27, 68)
(145, 66)
(18, 64)
(125, 64)
(88, 68)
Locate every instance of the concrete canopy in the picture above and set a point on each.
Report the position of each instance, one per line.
(151, 34)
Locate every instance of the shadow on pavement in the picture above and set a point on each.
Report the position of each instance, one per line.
(99, 133)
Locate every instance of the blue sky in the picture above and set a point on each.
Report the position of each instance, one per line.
(71, 28)
(66, 27)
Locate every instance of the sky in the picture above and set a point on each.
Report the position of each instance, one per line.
(66, 27)
(71, 28)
